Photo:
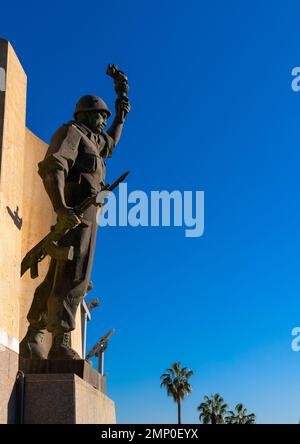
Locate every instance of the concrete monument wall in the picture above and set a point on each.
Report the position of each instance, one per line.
(25, 211)
(25, 217)
(12, 142)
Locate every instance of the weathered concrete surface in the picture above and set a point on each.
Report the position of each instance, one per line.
(65, 399)
(8, 373)
(25, 210)
(12, 144)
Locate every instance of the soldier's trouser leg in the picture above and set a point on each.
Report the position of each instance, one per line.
(70, 280)
(31, 347)
(69, 288)
(38, 313)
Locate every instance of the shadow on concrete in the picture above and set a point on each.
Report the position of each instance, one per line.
(18, 221)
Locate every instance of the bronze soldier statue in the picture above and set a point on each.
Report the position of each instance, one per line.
(72, 170)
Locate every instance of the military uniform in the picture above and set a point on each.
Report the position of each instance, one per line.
(79, 153)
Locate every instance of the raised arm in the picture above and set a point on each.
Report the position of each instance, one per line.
(122, 106)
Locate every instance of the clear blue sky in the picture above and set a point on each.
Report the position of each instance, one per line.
(212, 110)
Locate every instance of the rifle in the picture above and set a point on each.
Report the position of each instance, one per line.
(48, 245)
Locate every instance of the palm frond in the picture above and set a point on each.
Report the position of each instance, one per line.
(175, 380)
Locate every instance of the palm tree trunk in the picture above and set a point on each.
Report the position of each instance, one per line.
(179, 411)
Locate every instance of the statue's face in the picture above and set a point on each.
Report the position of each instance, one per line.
(95, 120)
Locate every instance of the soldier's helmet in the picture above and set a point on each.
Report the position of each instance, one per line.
(91, 103)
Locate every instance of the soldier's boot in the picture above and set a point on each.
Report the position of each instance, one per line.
(31, 346)
(61, 348)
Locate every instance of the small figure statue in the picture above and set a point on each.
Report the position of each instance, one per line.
(73, 170)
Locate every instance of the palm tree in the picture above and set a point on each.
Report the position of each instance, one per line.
(213, 409)
(240, 416)
(176, 382)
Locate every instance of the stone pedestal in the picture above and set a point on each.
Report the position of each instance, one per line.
(79, 367)
(64, 399)
(52, 392)
(63, 392)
